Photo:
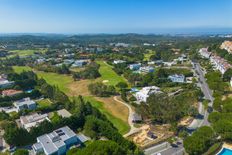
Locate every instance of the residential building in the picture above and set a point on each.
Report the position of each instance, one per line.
(56, 142)
(119, 61)
(177, 78)
(25, 103)
(68, 61)
(204, 53)
(231, 81)
(4, 83)
(145, 92)
(135, 66)
(32, 120)
(147, 69)
(136, 118)
(11, 92)
(64, 113)
(227, 45)
(79, 63)
(219, 63)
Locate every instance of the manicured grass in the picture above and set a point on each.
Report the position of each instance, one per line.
(59, 80)
(26, 52)
(122, 126)
(74, 88)
(20, 69)
(148, 55)
(108, 76)
(44, 103)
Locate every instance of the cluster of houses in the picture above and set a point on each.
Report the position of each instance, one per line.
(141, 69)
(74, 63)
(227, 45)
(219, 63)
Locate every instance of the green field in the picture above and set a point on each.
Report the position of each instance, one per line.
(26, 52)
(44, 103)
(20, 69)
(108, 75)
(52, 78)
(148, 55)
(63, 81)
(118, 123)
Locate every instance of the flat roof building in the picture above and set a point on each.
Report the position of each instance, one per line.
(56, 142)
(25, 103)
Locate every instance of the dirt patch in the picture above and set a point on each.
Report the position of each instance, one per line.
(115, 108)
(79, 88)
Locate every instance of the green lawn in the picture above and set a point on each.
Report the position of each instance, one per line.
(62, 81)
(26, 52)
(52, 78)
(107, 74)
(148, 55)
(118, 123)
(44, 103)
(20, 69)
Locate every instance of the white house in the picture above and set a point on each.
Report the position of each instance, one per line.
(177, 78)
(32, 120)
(231, 81)
(119, 61)
(219, 63)
(25, 103)
(4, 83)
(204, 53)
(145, 92)
(79, 63)
(147, 69)
(135, 66)
(56, 142)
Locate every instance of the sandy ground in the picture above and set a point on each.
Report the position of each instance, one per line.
(115, 108)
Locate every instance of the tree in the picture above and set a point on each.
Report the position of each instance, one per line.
(100, 148)
(21, 152)
(199, 141)
(227, 75)
(122, 85)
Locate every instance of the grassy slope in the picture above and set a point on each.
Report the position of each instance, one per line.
(26, 52)
(108, 74)
(62, 81)
(118, 123)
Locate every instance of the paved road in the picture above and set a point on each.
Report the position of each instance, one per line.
(133, 129)
(198, 122)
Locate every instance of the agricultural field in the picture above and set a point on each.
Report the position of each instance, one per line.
(108, 76)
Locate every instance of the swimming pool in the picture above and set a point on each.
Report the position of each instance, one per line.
(225, 151)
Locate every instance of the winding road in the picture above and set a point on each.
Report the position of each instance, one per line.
(133, 129)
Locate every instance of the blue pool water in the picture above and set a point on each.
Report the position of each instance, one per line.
(225, 152)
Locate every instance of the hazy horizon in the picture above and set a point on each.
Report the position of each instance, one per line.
(115, 16)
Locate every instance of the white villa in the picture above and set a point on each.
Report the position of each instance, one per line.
(145, 92)
(56, 142)
(119, 61)
(204, 53)
(32, 120)
(177, 78)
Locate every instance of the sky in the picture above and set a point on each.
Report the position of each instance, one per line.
(113, 16)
